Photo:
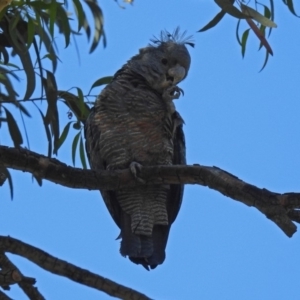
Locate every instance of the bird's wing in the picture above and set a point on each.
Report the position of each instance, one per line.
(179, 158)
(92, 136)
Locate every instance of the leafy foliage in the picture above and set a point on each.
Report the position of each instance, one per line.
(264, 19)
(27, 33)
(28, 29)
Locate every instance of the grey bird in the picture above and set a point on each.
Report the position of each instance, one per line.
(133, 124)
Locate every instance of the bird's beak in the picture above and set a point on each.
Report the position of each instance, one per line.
(176, 74)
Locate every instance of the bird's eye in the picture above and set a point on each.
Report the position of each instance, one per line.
(164, 61)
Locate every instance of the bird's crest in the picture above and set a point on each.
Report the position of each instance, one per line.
(175, 37)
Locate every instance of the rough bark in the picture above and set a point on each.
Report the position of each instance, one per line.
(63, 268)
(10, 274)
(282, 209)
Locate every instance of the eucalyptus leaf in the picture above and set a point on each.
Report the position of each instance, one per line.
(48, 134)
(229, 8)
(218, 17)
(260, 35)
(101, 81)
(62, 138)
(257, 16)
(98, 21)
(79, 13)
(63, 21)
(52, 116)
(77, 106)
(74, 146)
(244, 41)
(290, 5)
(82, 153)
(20, 48)
(13, 129)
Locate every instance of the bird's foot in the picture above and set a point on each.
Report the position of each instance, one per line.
(172, 92)
(135, 168)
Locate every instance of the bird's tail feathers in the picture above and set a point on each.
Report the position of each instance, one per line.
(148, 251)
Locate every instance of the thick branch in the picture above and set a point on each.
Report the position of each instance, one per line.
(63, 268)
(282, 209)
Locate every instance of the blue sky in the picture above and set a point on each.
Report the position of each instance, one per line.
(238, 119)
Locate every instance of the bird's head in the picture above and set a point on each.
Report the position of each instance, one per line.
(165, 62)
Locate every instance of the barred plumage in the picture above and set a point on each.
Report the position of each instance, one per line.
(134, 121)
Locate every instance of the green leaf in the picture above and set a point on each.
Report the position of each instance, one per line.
(101, 81)
(63, 22)
(40, 5)
(48, 134)
(62, 138)
(13, 129)
(3, 12)
(98, 21)
(262, 29)
(20, 48)
(229, 8)
(74, 146)
(4, 79)
(257, 16)
(80, 95)
(272, 10)
(237, 32)
(52, 13)
(82, 154)
(14, 36)
(290, 5)
(214, 21)
(87, 28)
(84, 109)
(260, 35)
(71, 101)
(23, 110)
(265, 62)
(269, 14)
(25, 58)
(244, 41)
(30, 31)
(79, 13)
(45, 39)
(52, 117)
(78, 107)
(12, 66)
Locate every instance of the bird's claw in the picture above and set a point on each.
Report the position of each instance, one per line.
(135, 168)
(172, 92)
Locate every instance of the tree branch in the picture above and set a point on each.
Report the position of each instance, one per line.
(4, 296)
(10, 274)
(63, 268)
(282, 209)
